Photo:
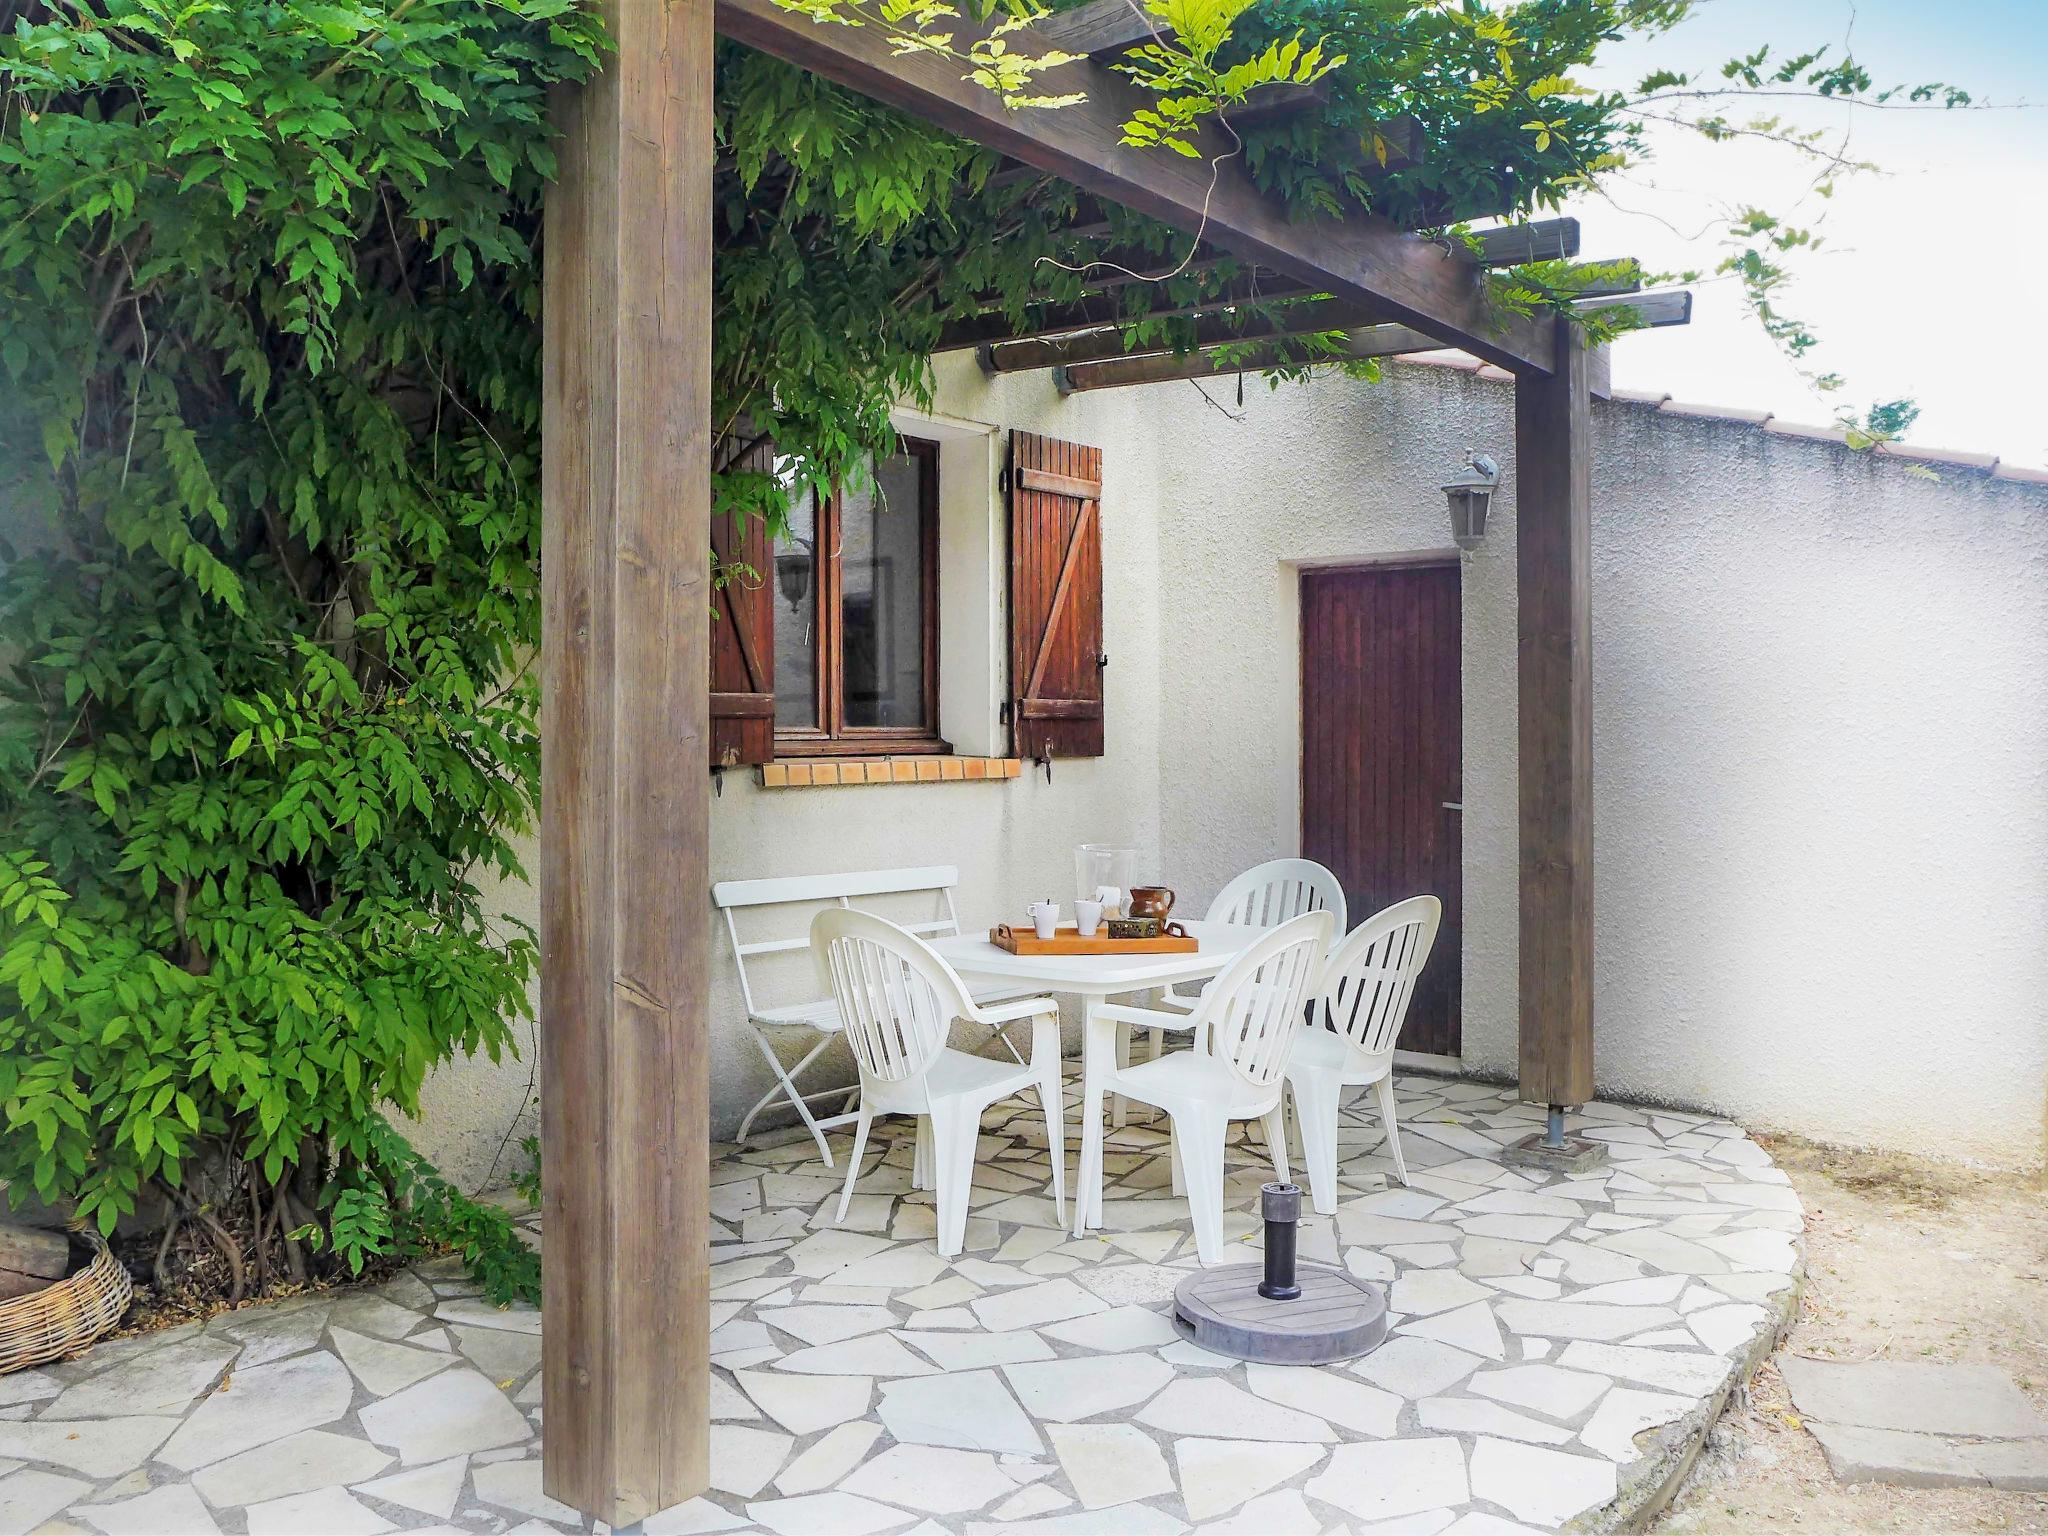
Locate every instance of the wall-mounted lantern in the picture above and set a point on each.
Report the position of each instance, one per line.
(1470, 494)
(793, 573)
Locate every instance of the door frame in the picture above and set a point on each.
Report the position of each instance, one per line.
(1301, 570)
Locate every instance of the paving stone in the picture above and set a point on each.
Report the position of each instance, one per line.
(1473, 1329)
(1469, 1416)
(2021, 1465)
(1065, 1391)
(313, 1458)
(1326, 1395)
(824, 1464)
(385, 1368)
(874, 1354)
(452, 1414)
(99, 1448)
(969, 1351)
(1624, 1413)
(499, 1353)
(1282, 1513)
(1035, 1305)
(744, 1460)
(1546, 1487)
(330, 1512)
(1666, 1368)
(1131, 1520)
(1212, 1406)
(968, 1411)
(1411, 1367)
(1109, 1464)
(1434, 1290)
(162, 1381)
(516, 1485)
(370, 1312)
(802, 1404)
(432, 1490)
(695, 1517)
(1032, 1499)
(30, 1496)
(826, 1324)
(517, 1318)
(1727, 1329)
(1547, 1389)
(273, 1330)
(931, 1480)
(262, 1405)
(1121, 1329)
(1216, 1476)
(1576, 1320)
(1383, 1479)
(1978, 1400)
(172, 1510)
(1861, 1455)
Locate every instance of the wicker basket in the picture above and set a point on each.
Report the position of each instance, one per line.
(62, 1319)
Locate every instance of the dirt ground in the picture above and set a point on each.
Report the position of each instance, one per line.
(1906, 1260)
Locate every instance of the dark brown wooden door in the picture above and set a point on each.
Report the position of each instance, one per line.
(1382, 757)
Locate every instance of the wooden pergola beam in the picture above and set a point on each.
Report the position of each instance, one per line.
(1089, 363)
(1011, 346)
(1097, 311)
(1162, 367)
(1101, 29)
(1362, 257)
(624, 1042)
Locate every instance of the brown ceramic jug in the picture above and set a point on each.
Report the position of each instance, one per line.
(1151, 901)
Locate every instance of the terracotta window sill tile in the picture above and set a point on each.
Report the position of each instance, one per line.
(798, 774)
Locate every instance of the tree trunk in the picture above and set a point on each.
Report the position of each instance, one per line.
(31, 1258)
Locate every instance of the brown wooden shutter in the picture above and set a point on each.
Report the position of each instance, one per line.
(743, 635)
(1056, 657)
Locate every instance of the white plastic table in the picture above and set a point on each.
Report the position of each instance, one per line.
(1094, 979)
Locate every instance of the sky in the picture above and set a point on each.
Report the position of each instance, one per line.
(1929, 283)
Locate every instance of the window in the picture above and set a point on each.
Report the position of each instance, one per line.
(857, 614)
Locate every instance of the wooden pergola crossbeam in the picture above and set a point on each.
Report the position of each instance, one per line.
(1108, 370)
(1089, 331)
(1161, 367)
(1361, 257)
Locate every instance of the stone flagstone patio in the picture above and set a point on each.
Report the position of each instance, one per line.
(1557, 1349)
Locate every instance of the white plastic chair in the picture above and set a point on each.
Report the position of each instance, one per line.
(1366, 989)
(1268, 894)
(898, 1000)
(1245, 1027)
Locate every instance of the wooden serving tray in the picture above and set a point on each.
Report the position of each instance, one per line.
(1068, 941)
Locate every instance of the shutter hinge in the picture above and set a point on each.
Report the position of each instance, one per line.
(1101, 661)
(1003, 482)
(1003, 713)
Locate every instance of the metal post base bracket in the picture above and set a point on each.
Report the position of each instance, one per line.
(1337, 1316)
(1573, 1154)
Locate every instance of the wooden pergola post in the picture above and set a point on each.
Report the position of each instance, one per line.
(1554, 648)
(625, 810)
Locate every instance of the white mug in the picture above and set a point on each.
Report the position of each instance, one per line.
(1045, 917)
(1088, 917)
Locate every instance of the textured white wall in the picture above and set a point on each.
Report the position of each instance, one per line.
(1820, 717)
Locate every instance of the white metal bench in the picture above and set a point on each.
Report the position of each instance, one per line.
(821, 1015)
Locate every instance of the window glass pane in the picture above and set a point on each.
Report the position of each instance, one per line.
(882, 567)
(796, 619)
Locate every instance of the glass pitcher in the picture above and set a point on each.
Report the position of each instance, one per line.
(1102, 872)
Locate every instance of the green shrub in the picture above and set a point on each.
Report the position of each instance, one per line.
(269, 444)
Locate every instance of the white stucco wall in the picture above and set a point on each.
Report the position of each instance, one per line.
(1821, 724)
